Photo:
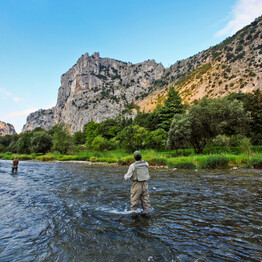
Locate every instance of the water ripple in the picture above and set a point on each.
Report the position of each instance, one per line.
(73, 212)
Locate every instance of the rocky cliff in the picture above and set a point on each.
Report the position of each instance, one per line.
(41, 118)
(98, 88)
(6, 129)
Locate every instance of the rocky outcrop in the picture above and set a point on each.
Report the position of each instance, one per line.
(233, 66)
(96, 89)
(6, 129)
(41, 118)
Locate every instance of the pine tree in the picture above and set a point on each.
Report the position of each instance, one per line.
(173, 105)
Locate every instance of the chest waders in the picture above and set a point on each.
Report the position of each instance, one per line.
(139, 190)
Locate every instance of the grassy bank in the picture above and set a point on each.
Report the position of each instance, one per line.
(170, 159)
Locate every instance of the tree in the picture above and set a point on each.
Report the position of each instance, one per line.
(173, 105)
(62, 140)
(92, 131)
(211, 117)
(23, 144)
(79, 138)
(156, 139)
(149, 121)
(41, 142)
(12, 147)
(180, 132)
(2, 148)
(110, 128)
(100, 143)
(253, 104)
(6, 140)
(133, 137)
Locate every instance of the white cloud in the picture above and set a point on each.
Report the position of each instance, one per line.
(17, 99)
(20, 113)
(9, 94)
(5, 92)
(243, 13)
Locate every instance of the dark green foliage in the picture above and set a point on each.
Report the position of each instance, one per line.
(229, 56)
(133, 137)
(2, 148)
(79, 138)
(156, 139)
(110, 128)
(24, 143)
(41, 142)
(6, 140)
(211, 117)
(100, 144)
(148, 120)
(92, 131)
(249, 37)
(173, 105)
(207, 119)
(238, 49)
(62, 140)
(252, 103)
(179, 133)
(13, 145)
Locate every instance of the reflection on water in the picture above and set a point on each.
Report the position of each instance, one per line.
(74, 212)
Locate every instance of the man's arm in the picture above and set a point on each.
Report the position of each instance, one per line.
(130, 171)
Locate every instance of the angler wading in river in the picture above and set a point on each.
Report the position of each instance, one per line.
(15, 165)
(138, 172)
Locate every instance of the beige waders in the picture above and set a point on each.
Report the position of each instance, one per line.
(139, 190)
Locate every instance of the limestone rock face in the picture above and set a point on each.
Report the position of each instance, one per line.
(6, 129)
(96, 89)
(41, 118)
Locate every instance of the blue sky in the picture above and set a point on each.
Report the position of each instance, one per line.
(42, 39)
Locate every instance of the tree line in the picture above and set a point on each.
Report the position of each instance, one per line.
(208, 122)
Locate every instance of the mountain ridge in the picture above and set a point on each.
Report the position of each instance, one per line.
(96, 88)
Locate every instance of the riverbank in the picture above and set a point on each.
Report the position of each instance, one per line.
(165, 159)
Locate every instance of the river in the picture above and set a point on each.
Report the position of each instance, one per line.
(75, 212)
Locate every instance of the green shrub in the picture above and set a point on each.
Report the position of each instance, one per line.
(93, 159)
(100, 143)
(184, 164)
(46, 158)
(245, 146)
(67, 158)
(3, 148)
(8, 153)
(256, 149)
(158, 161)
(215, 161)
(6, 156)
(25, 157)
(83, 155)
(256, 162)
(108, 160)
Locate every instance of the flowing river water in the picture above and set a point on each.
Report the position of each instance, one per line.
(75, 212)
